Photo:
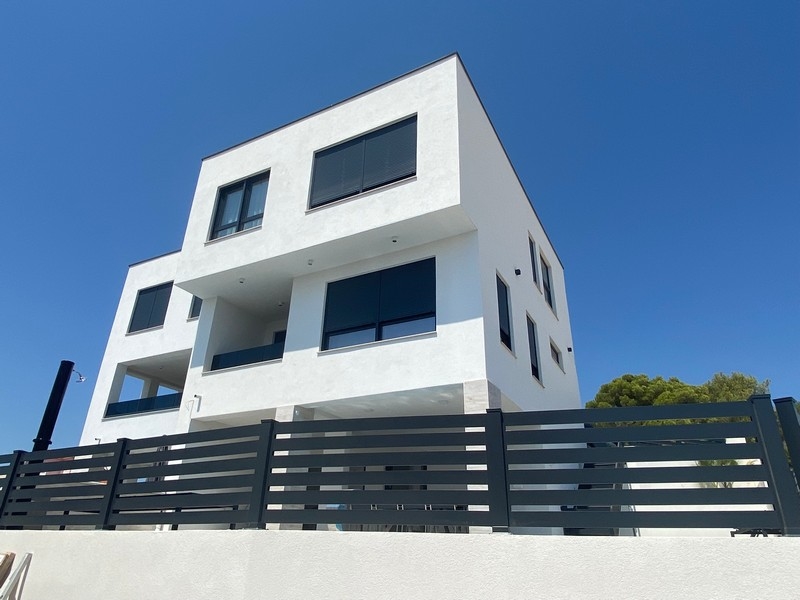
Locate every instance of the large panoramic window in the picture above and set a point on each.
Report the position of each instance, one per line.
(382, 305)
(151, 307)
(366, 162)
(240, 206)
(504, 313)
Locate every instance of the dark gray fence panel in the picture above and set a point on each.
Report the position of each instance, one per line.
(790, 425)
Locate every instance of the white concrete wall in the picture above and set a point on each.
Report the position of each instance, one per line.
(496, 202)
(177, 334)
(451, 355)
(251, 565)
(288, 154)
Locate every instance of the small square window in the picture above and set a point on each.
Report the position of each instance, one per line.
(240, 206)
(151, 307)
(556, 354)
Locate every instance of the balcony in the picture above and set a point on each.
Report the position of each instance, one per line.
(248, 356)
(142, 405)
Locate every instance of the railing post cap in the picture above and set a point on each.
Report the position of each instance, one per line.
(782, 400)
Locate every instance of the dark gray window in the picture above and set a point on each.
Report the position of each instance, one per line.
(532, 248)
(194, 309)
(364, 163)
(382, 305)
(504, 314)
(240, 206)
(547, 284)
(556, 354)
(534, 349)
(151, 307)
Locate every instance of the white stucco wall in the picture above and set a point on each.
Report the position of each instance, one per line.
(251, 565)
(496, 202)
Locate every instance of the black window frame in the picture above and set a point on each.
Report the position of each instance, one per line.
(375, 310)
(533, 349)
(547, 283)
(359, 150)
(555, 354)
(504, 313)
(534, 255)
(243, 222)
(150, 308)
(195, 307)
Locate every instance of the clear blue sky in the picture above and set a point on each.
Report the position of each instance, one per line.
(659, 142)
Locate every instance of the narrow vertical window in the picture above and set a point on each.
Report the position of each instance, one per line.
(532, 248)
(194, 309)
(556, 354)
(504, 313)
(547, 283)
(533, 348)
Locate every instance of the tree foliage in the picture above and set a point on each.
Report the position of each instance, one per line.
(641, 390)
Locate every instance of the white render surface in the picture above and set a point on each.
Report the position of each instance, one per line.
(464, 206)
(252, 564)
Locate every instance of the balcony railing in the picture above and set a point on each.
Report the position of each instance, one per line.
(141, 405)
(248, 356)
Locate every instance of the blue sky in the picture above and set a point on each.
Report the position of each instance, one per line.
(658, 141)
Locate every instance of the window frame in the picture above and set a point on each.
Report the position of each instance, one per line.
(556, 355)
(158, 291)
(243, 220)
(533, 350)
(377, 322)
(361, 140)
(547, 283)
(501, 284)
(197, 303)
(534, 255)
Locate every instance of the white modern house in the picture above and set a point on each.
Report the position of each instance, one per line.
(379, 257)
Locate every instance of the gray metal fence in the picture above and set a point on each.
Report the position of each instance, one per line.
(583, 471)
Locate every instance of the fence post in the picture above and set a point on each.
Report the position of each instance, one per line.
(786, 496)
(261, 473)
(496, 466)
(790, 424)
(107, 508)
(9, 482)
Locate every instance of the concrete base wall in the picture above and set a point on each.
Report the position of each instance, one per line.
(287, 564)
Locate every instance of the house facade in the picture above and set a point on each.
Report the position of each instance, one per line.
(379, 257)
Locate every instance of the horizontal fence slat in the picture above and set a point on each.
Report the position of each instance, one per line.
(629, 413)
(641, 497)
(192, 452)
(701, 431)
(195, 437)
(638, 475)
(656, 519)
(381, 497)
(174, 501)
(72, 452)
(367, 459)
(193, 468)
(52, 480)
(67, 465)
(378, 423)
(43, 506)
(431, 440)
(642, 453)
(188, 517)
(225, 481)
(20, 494)
(381, 478)
(51, 520)
(381, 517)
